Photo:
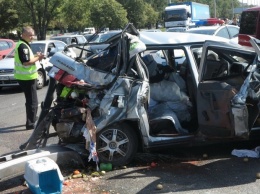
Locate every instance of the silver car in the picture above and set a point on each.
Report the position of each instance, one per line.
(48, 47)
(70, 39)
(129, 101)
(227, 31)
(187, 88)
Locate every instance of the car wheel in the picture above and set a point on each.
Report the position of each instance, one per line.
(40, 80)
(117, 144)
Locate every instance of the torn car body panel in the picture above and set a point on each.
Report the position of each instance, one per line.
(223, 91)
(173, 91)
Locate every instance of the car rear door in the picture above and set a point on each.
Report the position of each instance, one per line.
(222, 32)
(233, 31)
(220, 79)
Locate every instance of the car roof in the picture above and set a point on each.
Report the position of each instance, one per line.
(111, 31)
(172, 28)
(6, 39)
(151, 30)
(204, 28)
(66, 36)
(176, 38)
(45, 41)
(210, 27)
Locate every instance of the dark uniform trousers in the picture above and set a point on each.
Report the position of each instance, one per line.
(31, 100)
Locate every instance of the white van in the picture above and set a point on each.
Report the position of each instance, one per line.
(89, 30)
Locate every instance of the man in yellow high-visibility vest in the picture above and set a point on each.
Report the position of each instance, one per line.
(25, 71)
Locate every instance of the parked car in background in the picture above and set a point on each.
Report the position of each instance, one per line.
(151, 30)
(48, 47)
(99, 38)
(89, 37)
(6, 45)
(249, 25)
(90, 30)
(70, 39)
(102, 37)
(225, 31)
(176, 29)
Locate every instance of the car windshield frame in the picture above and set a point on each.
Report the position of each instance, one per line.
(38, 47)
(10, 55)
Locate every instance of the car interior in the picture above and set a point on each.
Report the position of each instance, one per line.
(224, 73)
(221, 80)
(172, 87)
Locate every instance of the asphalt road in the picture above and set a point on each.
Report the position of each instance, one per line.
(187, 171)
(12, 118)
(210, 170)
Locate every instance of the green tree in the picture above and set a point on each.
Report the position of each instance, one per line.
(135, 12)
(141, 13)
(152, 16)
(108, 13)
(41, 13)
(159, 7)
(58, 22)
(76, 13)
(8, 16)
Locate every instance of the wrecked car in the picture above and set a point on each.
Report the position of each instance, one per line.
(146, 90)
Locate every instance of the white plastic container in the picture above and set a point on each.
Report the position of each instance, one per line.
(43, 176)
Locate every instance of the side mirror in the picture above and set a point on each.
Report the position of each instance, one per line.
(188, 15)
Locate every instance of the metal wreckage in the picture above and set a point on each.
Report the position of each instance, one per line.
(103, 103)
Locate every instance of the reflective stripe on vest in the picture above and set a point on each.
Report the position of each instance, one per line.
(24, 72)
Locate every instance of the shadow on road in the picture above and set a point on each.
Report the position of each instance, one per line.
(187, 170)
(7, 129)
(192, 170)
(10, 90)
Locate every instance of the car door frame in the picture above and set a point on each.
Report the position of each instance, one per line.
(216, 116)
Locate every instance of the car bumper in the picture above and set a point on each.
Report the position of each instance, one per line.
(8, 80)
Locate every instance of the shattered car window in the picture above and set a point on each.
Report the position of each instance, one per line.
(171, 57)
(196, 51)
(223, 63)
(38, 47)
(104, 60)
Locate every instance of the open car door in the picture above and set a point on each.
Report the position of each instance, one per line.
(227, 91)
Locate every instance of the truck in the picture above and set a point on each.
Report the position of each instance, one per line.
(249, 25)
(185, 14)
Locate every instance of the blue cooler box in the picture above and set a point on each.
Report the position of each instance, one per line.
(43, 176)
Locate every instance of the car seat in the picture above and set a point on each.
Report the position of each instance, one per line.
(215, 67)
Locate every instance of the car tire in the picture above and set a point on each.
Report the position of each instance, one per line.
(40, 80)
(117, 144)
